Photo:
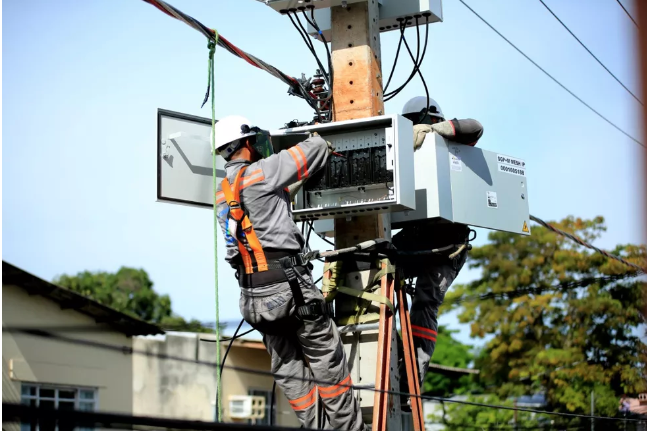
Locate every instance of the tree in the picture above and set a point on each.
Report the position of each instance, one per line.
(449, 352)
(549, 336)
(129, 291)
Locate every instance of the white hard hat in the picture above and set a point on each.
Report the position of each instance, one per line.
(419, 103)
(229, 131)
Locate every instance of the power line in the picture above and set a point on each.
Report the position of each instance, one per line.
(13, 412)
(587, 244)
(221, 41)
(627, 12)
(592, 55)
(540, 290)
(131, 351)
(553, 78)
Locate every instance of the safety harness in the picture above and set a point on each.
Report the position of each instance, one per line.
(255, 259)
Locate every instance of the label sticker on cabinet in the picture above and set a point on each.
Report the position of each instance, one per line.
(491, 200)
(508, 169)
(455, 163)
(525, 228)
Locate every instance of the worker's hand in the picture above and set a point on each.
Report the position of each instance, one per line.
(420, 131)
(293, 189)
(331, 148)
(445, 129)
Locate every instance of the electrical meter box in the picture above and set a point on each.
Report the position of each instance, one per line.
(372, 172)
(468, 185)
(463, 184)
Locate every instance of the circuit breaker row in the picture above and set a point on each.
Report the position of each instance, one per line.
(361, 167)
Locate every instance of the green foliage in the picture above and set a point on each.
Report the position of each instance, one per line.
(449, 352)
(468, 417)
(129, 291)
(563, 342)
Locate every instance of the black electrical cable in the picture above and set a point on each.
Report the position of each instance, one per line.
(422, 78)
(304, 35)
(310, 229)
(231, 342)
(311, 45)
(395, 61)
(314, 24)
(395, 92)
(272, 403)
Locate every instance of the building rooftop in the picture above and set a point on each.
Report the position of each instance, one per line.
(67, 299)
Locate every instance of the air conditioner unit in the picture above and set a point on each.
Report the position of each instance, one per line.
(247, 407)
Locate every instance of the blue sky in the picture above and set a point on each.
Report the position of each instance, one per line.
(83, 81)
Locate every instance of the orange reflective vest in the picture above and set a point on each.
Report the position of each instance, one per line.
(248, 243)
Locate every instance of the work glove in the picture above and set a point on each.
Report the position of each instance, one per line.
(331, 148)
(293, 189)
(444, 129)
(420, 131)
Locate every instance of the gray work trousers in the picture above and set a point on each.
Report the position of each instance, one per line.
(432, 285)
(303, 354)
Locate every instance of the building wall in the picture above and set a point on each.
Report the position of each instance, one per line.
(34, 359)
(185, 390)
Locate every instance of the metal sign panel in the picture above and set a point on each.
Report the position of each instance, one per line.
(184, 163)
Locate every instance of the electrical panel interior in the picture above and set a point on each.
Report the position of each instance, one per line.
(370, 172)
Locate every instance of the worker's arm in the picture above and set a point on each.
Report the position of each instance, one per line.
(467, 131)
(296, 163)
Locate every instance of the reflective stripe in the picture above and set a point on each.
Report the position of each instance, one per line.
(295, 156)
(220, 197)
(305, 161)
(453, 128)
(424, 330)
(249, 182)
(304, 402)
(423, 335)
(336, 390)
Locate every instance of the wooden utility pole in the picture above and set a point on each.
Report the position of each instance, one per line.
(357, 93)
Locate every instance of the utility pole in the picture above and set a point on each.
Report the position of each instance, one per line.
(592, 410)
(357, 93)
(515, 414)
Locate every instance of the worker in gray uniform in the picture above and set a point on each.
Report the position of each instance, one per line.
(434, 272)
(267, 249)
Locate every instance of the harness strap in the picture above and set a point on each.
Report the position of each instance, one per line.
(232, 196)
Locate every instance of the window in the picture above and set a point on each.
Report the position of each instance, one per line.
(64, 398)
(267, 394)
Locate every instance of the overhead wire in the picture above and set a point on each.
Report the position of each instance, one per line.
(628, 14)
(518, 292)
(231, 48)
(589, 51)
(553, 78)
(132, 351)
(588, 245)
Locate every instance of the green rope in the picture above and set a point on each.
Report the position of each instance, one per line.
(212, 51)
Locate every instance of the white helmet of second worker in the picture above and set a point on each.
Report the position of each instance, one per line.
(231, 132)
(416, 107)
